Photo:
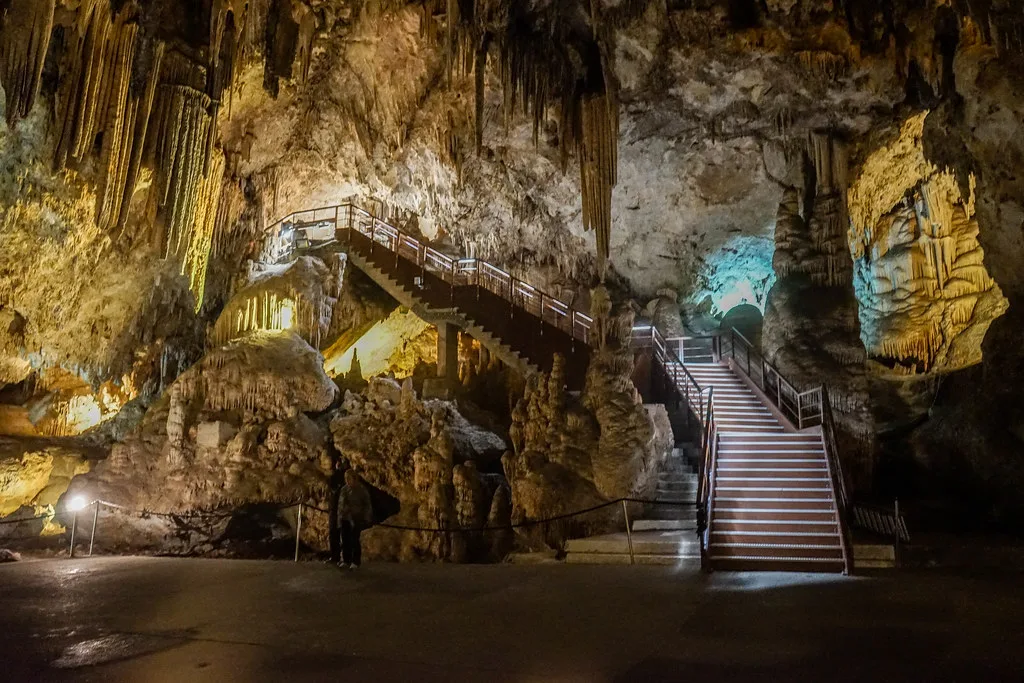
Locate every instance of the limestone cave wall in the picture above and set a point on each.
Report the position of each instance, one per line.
(851, 168)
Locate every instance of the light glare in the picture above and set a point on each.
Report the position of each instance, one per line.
(287, 314)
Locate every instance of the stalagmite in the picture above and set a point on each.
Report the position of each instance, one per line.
(25, 28)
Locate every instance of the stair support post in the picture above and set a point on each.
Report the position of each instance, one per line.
(447, 351)
(629, 532)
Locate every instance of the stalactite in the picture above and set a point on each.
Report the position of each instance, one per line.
(537, 69)
(25, 28)
(448, 141)
(825, 65)
(271, 311)
(203, 231)
(143, 106)
(307, 33)
(181, 162)
(229, 212)
(83, 73)
(598, 163)
(119, 124)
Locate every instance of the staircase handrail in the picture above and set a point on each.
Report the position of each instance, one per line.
(804, 408)
(837, 477)
(691, 390)
(455, 270)
(705, 481)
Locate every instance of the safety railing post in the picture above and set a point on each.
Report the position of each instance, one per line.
(95, 519)
(298, 532)
(629, 532)
(452, 275)
(799, 411)
(896, 545)
(74, 529)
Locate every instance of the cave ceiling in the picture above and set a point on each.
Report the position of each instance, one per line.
(147, 144)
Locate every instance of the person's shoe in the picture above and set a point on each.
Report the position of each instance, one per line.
(353, 566)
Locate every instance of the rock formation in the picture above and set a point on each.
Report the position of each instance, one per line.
(235, 430)
(431, 460)
(925, 298)
(811, 331)
(653, 146)
(571, 454)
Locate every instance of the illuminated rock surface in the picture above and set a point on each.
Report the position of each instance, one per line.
(852, 169)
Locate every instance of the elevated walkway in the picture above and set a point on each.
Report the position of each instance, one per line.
(519, 324)
(768, 490)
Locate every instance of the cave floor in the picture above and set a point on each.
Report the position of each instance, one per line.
(162, 619)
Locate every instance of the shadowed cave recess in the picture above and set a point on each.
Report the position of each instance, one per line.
(840, 181)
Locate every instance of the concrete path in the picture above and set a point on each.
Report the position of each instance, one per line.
(155, 620)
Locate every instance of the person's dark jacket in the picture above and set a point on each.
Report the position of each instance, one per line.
(354, 505)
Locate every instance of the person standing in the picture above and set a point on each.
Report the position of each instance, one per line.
(355, 513)
(334, 524)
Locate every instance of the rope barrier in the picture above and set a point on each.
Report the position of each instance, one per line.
(307, 506)
(521, 525)
(203, 514)
(24, 520)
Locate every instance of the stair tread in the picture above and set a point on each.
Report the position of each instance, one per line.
(761, 558)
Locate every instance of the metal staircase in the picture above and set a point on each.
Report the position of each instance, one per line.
(768, 491)
(520, 324)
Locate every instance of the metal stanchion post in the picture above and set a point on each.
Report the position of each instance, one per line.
(74, 528)
(896, 547)
(298, 533)
(95, 519)
(629, 533)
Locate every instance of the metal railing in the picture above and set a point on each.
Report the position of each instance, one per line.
(802, 408)
(648, 336)
(700, 401)
(303, 509)
(837, 477)
(706, 476)
(457, 272)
